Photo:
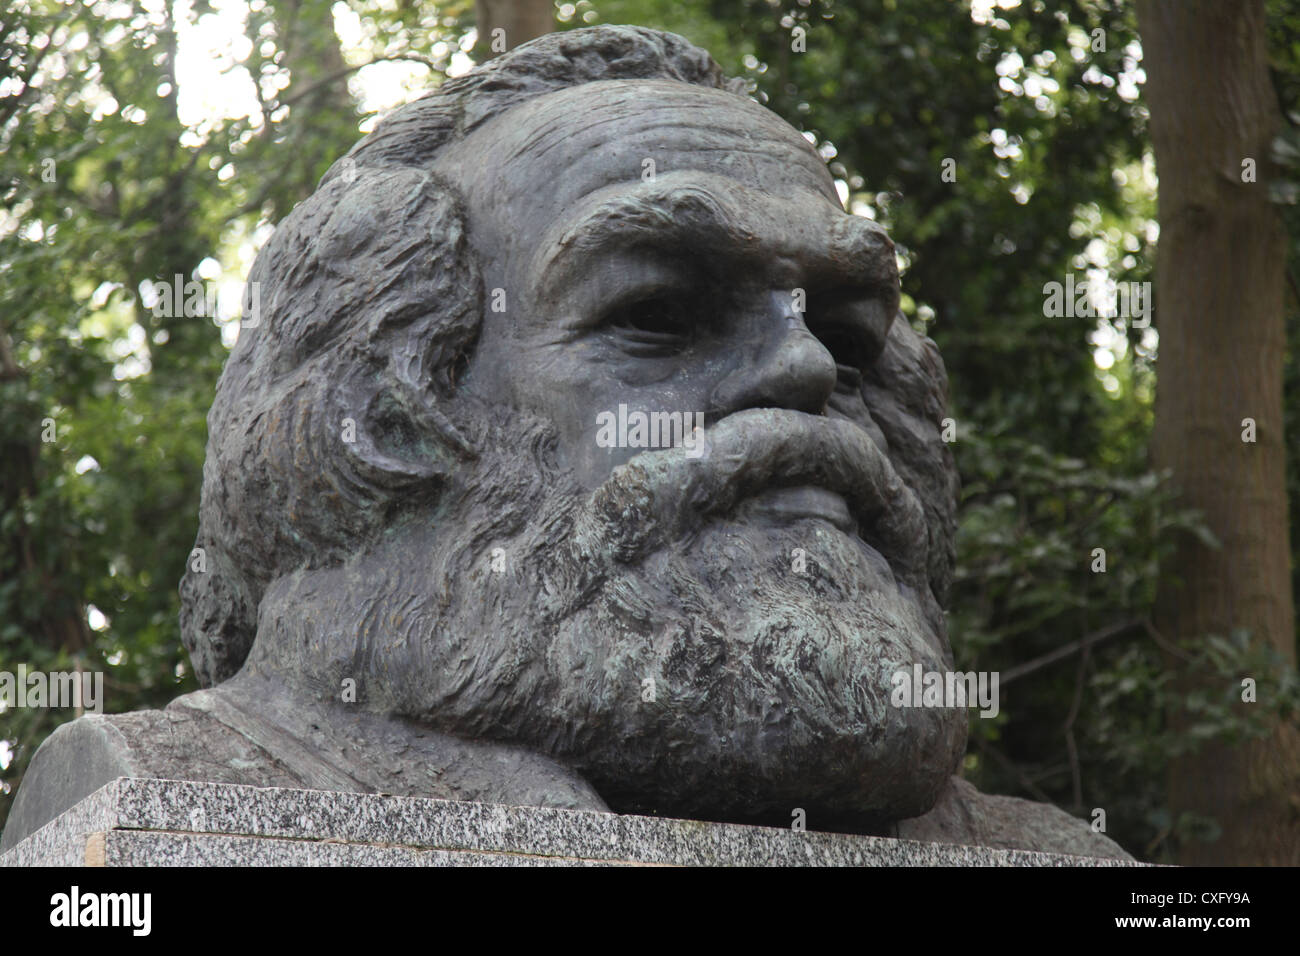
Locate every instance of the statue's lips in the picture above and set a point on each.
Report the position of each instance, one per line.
(804, 501)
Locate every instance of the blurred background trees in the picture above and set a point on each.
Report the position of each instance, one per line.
(1004, 144)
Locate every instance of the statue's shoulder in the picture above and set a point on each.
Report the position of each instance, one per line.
(965, 816)
(184, 741)
(237, 733)
(73, 762)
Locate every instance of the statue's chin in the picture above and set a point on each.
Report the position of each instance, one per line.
(736, 678)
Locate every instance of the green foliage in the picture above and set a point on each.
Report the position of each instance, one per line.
(1084, 728)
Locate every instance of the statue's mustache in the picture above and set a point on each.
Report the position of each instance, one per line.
(666, 495)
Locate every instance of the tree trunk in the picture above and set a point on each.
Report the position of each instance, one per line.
(521, 21)
(1219, 284)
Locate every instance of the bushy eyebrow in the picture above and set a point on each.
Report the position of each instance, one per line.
(688, 217)
(664, 217)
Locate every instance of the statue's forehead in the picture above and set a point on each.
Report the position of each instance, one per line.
(550, 152)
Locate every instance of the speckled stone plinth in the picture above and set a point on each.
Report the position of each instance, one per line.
(143, 822)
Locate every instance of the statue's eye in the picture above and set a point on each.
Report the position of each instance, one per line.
(659, 325)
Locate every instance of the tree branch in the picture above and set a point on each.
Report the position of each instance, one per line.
(339, 74)
(1115, 630)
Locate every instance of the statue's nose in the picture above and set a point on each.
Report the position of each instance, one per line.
(790, 368)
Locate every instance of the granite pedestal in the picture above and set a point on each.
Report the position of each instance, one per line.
(147, 822)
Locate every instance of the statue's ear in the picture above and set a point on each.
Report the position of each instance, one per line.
(394, 437)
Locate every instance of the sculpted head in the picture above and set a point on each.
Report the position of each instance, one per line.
(406, 482)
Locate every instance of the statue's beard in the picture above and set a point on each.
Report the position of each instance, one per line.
(686, 652)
